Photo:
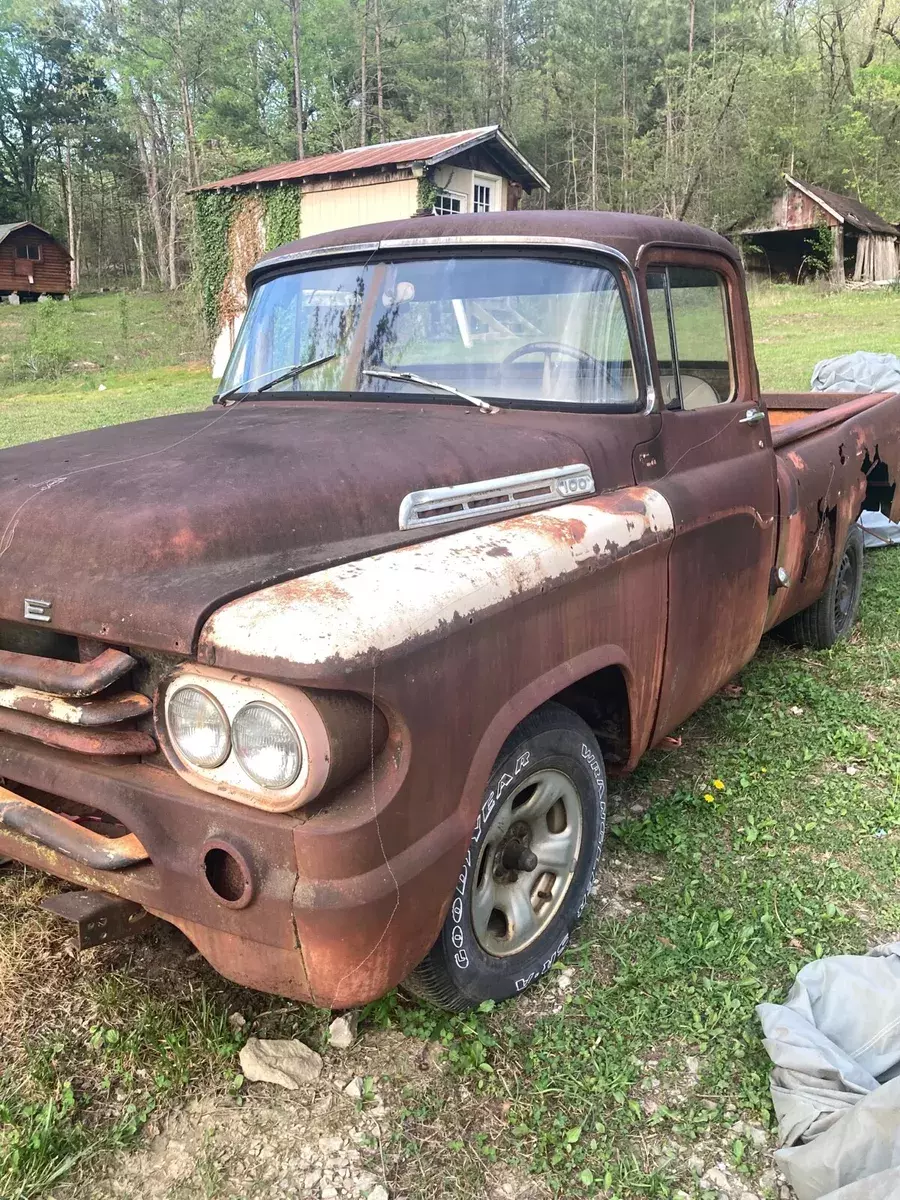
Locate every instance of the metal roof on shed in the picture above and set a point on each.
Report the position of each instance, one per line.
(427, 151)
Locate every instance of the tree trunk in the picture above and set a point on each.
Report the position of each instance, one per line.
(379, 83)
(173, 229)
(363, 81)
(295, 56)
(187, 114)
(150, 168)
(70, 217)
(139, 246)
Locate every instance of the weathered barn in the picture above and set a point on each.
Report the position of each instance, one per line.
(865, 247)
(474, 170)
(32, 262)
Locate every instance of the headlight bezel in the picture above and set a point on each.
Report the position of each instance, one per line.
(234, 692)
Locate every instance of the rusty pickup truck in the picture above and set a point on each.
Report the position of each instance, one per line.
(330, 675)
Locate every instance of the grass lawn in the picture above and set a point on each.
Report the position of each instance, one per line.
(793, 328)
(145, 351)
(770, 836)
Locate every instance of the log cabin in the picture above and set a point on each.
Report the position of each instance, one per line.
(32, 262)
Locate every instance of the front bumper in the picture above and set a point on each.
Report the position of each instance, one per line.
(329, 916)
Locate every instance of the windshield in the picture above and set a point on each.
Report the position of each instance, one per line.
(519, 329)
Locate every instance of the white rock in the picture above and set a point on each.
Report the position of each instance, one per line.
(354, 1088)
(342, 1031)
(287, 1063)
(696, 1164)
(379, 1192)
(758, 1136)
(102, 387)
(236, 1022)
(692, 1066)
(566, 978)
(715, 1180)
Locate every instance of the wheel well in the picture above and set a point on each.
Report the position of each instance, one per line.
(601, 699)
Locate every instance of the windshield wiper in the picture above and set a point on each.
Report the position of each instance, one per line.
(408, 377)
(290, 373)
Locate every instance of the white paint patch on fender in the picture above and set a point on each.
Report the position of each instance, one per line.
(346, 614)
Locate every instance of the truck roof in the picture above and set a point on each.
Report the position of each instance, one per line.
(625, 232)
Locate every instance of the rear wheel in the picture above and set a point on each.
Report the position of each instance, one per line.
(529, 867)
(834, 614)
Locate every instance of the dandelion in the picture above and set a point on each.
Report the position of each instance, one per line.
(718, 785)
(709, 798)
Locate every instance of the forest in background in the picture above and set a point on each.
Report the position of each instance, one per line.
(112, 110)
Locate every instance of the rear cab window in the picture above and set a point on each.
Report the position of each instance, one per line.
(692, 331)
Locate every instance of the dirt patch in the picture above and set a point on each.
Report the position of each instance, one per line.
(319, 1143)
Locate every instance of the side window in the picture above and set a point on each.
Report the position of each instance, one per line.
(689, 311)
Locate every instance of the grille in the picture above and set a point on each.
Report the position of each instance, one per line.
(74, 696)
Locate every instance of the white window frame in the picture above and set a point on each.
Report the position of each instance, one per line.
(460, 196)
(494, 185)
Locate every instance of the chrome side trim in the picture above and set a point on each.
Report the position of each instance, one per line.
(495, 497)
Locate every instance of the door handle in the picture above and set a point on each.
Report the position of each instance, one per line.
(753, 416)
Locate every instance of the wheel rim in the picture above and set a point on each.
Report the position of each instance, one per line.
(843, 594)
(513, 899)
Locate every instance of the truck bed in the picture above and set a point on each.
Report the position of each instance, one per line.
(796, 415)
(837, 454)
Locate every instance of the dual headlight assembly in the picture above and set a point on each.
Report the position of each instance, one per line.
(261, 743)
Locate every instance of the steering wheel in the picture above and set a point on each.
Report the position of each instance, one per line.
(549, 349)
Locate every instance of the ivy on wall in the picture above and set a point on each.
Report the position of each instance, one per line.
(215, 216)
(214, 213)
(427, 193)
(282, 214)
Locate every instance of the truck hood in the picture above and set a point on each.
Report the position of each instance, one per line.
(137, 532)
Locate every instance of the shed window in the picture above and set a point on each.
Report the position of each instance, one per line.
(446, 203)
(482, 197)
(29, 250)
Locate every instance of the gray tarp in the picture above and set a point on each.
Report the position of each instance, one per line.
(860, 372)
(863, 372)
(835, 1045)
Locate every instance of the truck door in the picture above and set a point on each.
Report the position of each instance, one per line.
(715, 465)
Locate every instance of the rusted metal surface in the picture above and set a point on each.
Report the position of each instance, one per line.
(626, 232)
(98, 917)
(58, 833)
(348, 617)
(816, 422)
(124, 706)
(361, 158)
(112, 742)
(641, 599)
(64, 678)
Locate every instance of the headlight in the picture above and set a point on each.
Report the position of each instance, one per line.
(266, 746)
(198, 727)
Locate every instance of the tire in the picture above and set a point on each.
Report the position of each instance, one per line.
(509, 920)
(834, 614)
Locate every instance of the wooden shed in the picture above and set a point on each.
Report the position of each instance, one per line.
(470, 171)
(32, 262)
(866, 247)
